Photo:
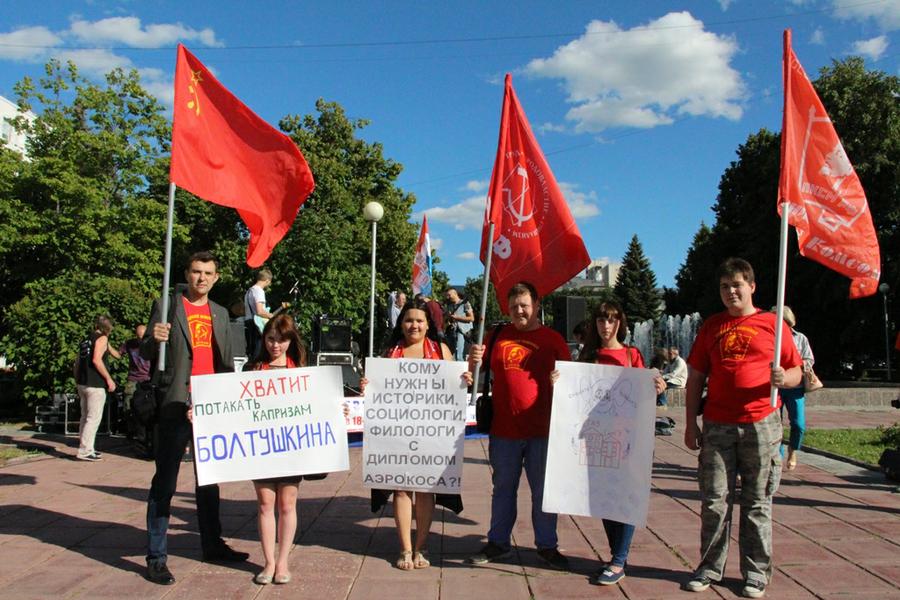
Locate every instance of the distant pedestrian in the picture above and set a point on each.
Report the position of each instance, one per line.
(92, 382)
(138, 366)
(793, 399)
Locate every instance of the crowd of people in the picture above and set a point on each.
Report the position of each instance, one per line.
(739, 438)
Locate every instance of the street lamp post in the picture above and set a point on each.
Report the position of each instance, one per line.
(372, 213)
(884, 288)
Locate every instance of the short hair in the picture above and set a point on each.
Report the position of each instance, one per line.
(264, 275)
(103, 324)
(451, 289)
(522, 288)
(734, 266)
(201, 256)
(787, 315)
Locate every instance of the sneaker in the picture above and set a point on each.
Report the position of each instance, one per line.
(698, 583)
(159, 573)
(552, 557)
(93, 457)
(753, 589)
(607, 576)
(489, 553)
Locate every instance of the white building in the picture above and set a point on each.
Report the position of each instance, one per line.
(600, 273)
(9, 137)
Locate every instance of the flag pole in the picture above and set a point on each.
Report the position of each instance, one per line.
(484, 296)
(164, 299)
(779, 306)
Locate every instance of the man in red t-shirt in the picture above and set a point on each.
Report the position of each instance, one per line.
(199, 343)
(522, 361)
(742, 431)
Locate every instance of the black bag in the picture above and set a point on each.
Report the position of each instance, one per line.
(890, 464)
(665, 425)
(145, 403)
(83, 360)
(484, 405)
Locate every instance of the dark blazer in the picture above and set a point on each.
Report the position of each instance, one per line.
(174, 381)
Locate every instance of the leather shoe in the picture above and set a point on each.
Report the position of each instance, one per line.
(224, 553)
(160, 573)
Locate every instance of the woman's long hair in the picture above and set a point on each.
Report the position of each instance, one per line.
(397, 333)
(604, 310)
(283, 327)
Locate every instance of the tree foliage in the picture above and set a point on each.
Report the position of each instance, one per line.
(865, 109)
(636, 285)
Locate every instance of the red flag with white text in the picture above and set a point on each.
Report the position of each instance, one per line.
(535, 237)
(224, 153)
(826, 201)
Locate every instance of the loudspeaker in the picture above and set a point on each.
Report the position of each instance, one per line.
(568, 311)
(331, 334)
(348, 368)
(238, 338)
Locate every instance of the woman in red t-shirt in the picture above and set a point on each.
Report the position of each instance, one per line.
(415, 336)
(282, 348)
(603, 345)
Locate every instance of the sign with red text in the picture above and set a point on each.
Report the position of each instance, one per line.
(415, 425)
(261, 424)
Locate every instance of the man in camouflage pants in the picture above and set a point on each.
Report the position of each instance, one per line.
(741, 432)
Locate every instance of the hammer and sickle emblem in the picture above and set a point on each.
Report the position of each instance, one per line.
(516, 203)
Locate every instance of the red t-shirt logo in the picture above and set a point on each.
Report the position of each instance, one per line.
(515, 354)
(736, 341)
(200, 326)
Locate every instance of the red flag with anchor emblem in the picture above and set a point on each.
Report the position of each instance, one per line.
(826, 201)
(535, 236)
(225, 154)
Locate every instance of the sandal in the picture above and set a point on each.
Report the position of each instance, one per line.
(404, 561)
(421, 560)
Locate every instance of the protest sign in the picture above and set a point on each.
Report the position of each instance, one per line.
(357, 414)
(601, 442)
(274, 423)
(415, 425)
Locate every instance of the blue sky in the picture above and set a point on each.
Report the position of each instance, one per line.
(639, 106)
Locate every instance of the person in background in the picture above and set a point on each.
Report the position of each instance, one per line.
(138, 366)
(92, 382)
(255, 306)
(603, 345)
(459, 317)
(793, 398)
(674, 374)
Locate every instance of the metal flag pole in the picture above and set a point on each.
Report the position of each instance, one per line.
(484, 296)
(372, 212)
(779, 306)
(164, 298)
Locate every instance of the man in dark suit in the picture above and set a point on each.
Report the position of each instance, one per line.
(198, 342)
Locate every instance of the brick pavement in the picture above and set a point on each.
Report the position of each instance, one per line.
(71, 529)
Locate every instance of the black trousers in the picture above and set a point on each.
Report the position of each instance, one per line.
(175, 433)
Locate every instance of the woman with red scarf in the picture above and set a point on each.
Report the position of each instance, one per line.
(282, 348)
(415, 336)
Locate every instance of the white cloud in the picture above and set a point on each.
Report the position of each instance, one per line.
(646, 76)
(724, 4)
(468, 214)
(818, 37)
(436, 243)
(27, 43)
(551, 128)
(886, 13)
(129, 31)
(96, 63)
(873, 48)
(583, 205)
(477, 185)
(466, 256)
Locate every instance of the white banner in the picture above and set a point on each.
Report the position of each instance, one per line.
(274, 423)
(356, 417)
(600, 457)
(415, 425)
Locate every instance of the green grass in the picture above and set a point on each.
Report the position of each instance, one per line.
(865, 445)
(10, 452)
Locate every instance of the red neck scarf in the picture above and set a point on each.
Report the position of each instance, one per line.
(430, 350)
(265, 366)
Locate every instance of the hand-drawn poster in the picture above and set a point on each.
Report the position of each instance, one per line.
(601, 442)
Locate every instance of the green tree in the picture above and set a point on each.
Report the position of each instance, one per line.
(636, 285)
(81, 222)
(472, 291)
(328, 249)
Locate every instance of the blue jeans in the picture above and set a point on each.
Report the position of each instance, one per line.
(794, 401)
(175, 434)
(507, 457)
(619, 536)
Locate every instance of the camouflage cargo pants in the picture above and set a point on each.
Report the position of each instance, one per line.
(751, 451)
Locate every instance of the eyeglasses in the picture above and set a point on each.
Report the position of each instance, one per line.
(609, 320)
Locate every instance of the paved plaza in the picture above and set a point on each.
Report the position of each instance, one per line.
(71, 529)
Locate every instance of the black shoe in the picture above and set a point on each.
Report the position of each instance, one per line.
(224, 553)
(160, 573)
(552, 557)
(489, 553)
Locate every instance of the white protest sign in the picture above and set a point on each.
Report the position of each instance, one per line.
(273, 423)
(356, 417)
(600, 457)
(415, 425)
